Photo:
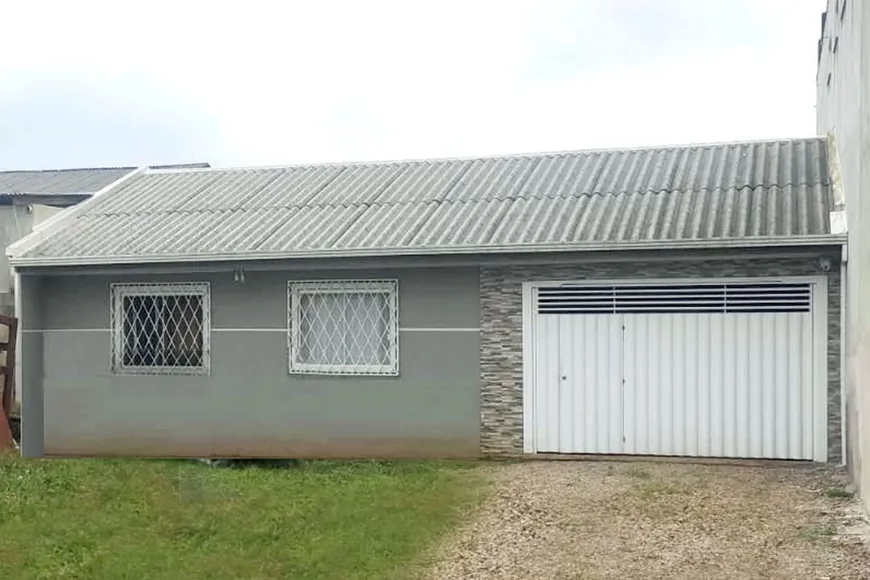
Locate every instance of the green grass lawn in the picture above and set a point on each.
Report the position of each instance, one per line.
(114, 519)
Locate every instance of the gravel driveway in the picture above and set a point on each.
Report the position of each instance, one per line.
(595, 520)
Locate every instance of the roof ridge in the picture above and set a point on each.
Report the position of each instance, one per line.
(42, 193)
(532, 155)
(160, 166)
(67, 169)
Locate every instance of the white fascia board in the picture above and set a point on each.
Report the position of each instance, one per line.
(711, 244)
(59, 220)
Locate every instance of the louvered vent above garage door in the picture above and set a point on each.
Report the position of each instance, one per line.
(668, 298)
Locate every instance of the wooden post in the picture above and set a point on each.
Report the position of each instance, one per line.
(7, 371)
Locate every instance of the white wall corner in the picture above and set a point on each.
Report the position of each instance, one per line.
(59, 220)
(838, 222)
(844, 284)
(837, 214)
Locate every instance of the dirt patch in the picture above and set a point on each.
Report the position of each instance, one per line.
(578, 520)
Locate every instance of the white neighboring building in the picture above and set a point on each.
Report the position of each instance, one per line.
(843, 109)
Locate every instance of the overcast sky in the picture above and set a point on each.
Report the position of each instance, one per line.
(91, 83)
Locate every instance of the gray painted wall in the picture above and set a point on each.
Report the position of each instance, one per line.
(843, 109)
(250, 405)
(30, 366)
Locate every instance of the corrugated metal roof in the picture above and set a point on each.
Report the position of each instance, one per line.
(85, 181)
(60, 181)
(771, 191)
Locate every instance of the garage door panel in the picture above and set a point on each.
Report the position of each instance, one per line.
(757, 405)
(579, 406)
(794, 337)
(772, 391)
(744, 381)
(806, 380)
(712, 384)
(547, 383)
(705, 374)
(663, 410)
(603, 406)
(591, 346)
(638, 354)
(725, 446)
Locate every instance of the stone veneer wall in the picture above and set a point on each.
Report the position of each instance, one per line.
(501, 344)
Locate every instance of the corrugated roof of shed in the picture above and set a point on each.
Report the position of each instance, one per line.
(60, 181)
(773, 191)
(79, 181)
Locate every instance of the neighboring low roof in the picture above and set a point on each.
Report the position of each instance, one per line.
(60, 181)
(749, 193)
(74, 182)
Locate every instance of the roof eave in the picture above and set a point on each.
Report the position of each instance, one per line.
(753, 242)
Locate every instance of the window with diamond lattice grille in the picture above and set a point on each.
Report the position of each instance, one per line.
(344, 327)
(160, 328)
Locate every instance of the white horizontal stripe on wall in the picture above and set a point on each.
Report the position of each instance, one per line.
(439, 330)
(35, 331)
(400, 329)
(284, 330)
(248, 330)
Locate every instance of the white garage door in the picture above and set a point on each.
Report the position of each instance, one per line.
(704, 370)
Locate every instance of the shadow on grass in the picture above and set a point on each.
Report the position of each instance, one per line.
(322, 465)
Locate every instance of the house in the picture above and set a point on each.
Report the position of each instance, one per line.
(680, 301)
(28, 198)
(843, 111)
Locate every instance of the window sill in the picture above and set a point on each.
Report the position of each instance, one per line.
(169, 371)
(345, 370)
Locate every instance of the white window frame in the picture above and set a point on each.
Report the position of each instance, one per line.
(296, 289)
(120, 291)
